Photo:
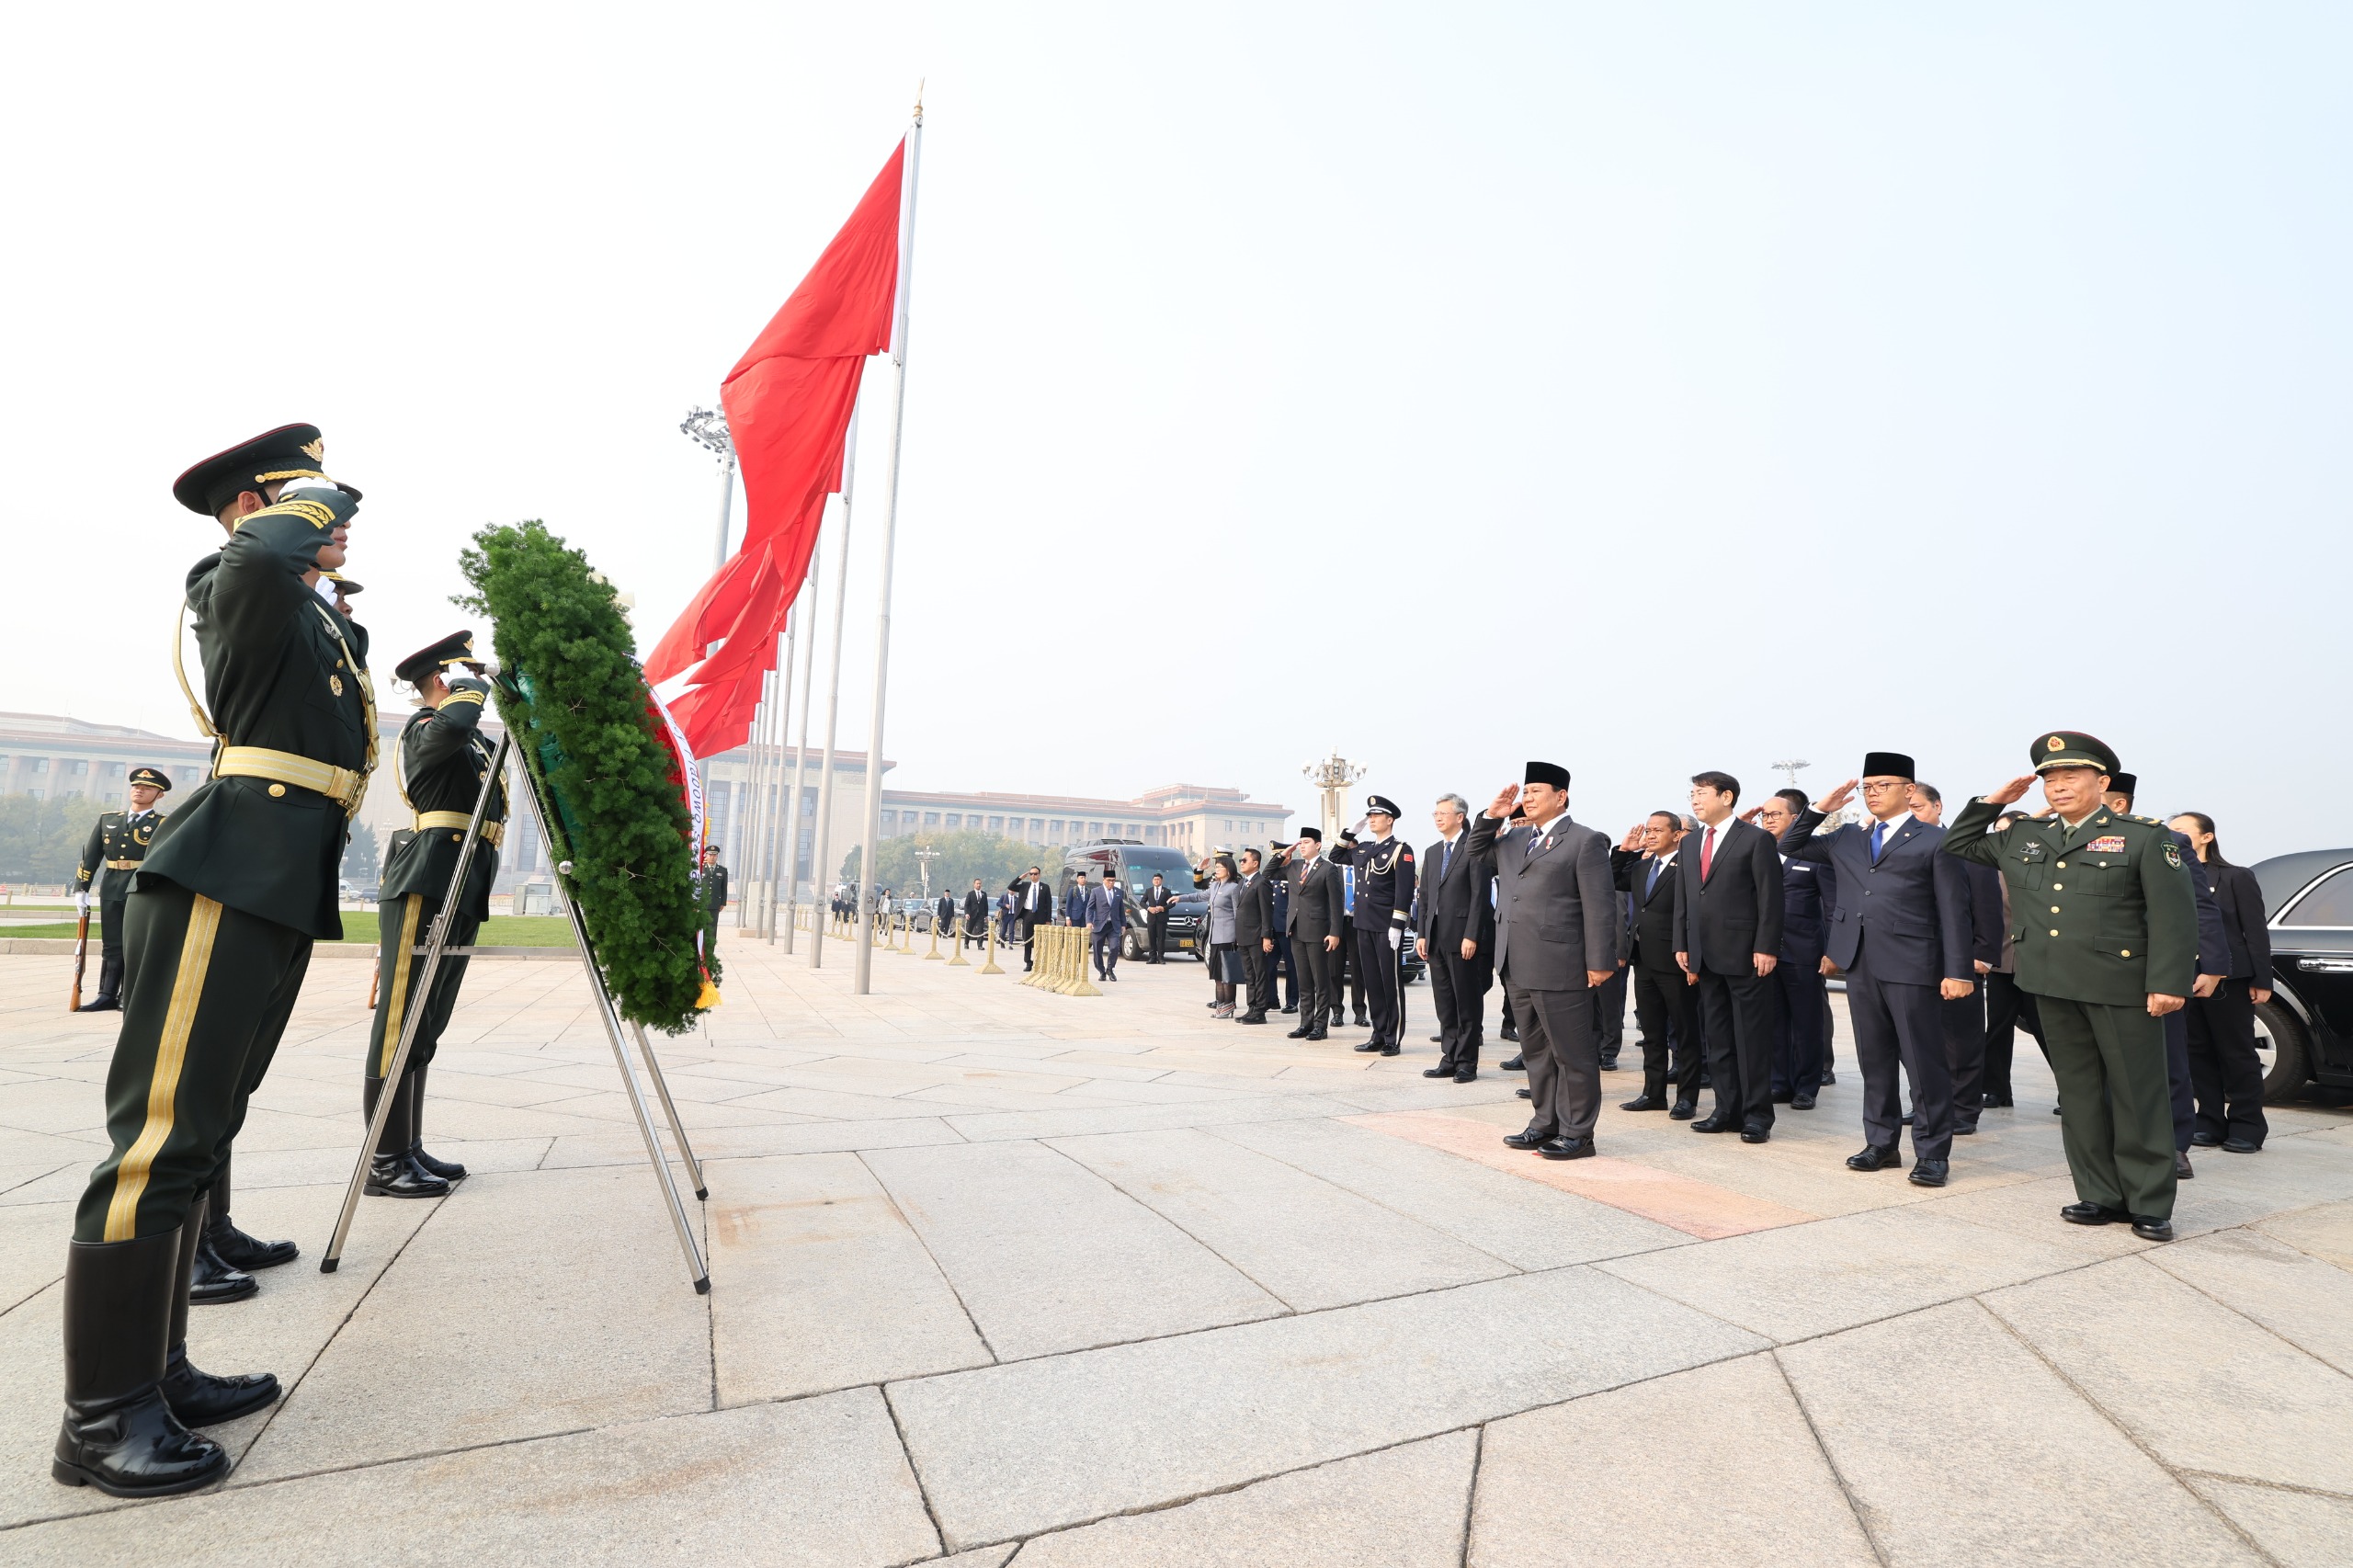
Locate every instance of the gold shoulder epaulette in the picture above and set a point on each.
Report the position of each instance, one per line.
(317, 514)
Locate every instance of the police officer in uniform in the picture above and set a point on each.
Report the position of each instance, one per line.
(440, 766)
(235, 886)
(117, 843)
(2106, 928)
(1383, 920)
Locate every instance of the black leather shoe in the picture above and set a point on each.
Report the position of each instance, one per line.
(2181, 1171)
(1523, 1094)
(200, 1399)
(2149, 1228)
(1292, 1008)
(1785, 1096)
(1526, 1140)
(1928, 1173)
(102, 1004)
(2241, 1146)
(1251, 1018)
(1319, 1032)
(1391, 1048)
(118, 1435)
(447, 1170)
(1566, 1147)
(2092, 1214)
(1875, 1158)
(1610, 1064)
(1829, 1078)
(1801, 1102)
(1466, 1075)
(1643, 1102)
(395, 1175)
(1755, 1134)
(1364, 1019)
(1515, 1063)
(1964, 1129)
(1999, 1102)
(1440, 1071)
(238, 1250)
(1438, 1039)
(1302, 1032)
(1511, 1031)
(1683, 1110)
(2204, 1140)
(1370, 1045)
(212, 1282)
(1716, 1124)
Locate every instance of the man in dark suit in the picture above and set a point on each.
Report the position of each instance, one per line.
(1643, 868)
(1284, 967)
(1033, 906)
(943, 916)
(1158, 900)
(1801, 982)
(1455, 934)
(1965, 1016)
(1900, 928)
(1557, 934)
(1107, 921)
(976, 915)
(1318, 921)
(1728, 933)
(1254, 933)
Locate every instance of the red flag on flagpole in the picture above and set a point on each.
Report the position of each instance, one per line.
(788, 401)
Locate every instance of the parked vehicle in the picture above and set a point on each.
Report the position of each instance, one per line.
(1133, 864)
(2306, 1032)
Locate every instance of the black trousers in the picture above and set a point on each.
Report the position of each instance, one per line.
(1965, 1053)
(1458, 988)
(110, 919)
(1029, 945)
(1258, 972)
(1662, 1009)
(1287, 968)
(1155, 931)
(2226, 1072)
(2008, 1010)
(207, 994)
(1899, 1034)
(1738, 1011)
(403, 926)
(1376, 964)
(1319, 975)
(1351, 971)
(1103, 942)
(1564, 1063)
(1609, 1015)
(1800, 1011)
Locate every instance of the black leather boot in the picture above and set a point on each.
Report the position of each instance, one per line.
(211, 1281)
(118, 1434)
(232, 1245)
(199, 1398)
(391, 1172)
(447, 1170)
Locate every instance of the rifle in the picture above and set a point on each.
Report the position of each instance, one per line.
(81, 956)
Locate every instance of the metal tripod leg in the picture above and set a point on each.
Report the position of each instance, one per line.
(677, 1128)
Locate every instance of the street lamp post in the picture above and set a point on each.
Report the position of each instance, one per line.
(709, 425)
(1333, 776)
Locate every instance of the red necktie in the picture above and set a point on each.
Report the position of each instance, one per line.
(1707, 853)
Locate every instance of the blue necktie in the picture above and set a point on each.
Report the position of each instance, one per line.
(1879, 832)
(1446, 860)
(1651, 885)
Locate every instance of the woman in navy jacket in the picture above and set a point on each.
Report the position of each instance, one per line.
(2225, 1074)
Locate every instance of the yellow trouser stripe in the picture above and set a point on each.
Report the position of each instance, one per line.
(164, 1079)
(396, 994)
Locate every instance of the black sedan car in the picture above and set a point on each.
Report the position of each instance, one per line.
(2305, 1031)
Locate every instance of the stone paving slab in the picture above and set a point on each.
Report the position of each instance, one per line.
(2304, 1300)
(1010, 1450)
(2298, 1528)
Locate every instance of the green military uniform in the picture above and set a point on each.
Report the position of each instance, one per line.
(118, 844)
(2103, 917)
(235, 888)
(711, 888)
(442, 760)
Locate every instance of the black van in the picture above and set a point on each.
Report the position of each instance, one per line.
(1133, 864)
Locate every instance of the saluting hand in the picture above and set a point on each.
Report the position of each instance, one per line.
(1836, 798)
(1751, 815)
(1500, 808)
(2012, 792)
(1634, 839)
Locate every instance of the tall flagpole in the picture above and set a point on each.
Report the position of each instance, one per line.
(890, 530)
(820, 870)
(789, 644)
(805, 655)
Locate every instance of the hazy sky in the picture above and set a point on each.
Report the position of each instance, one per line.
(1646, 388)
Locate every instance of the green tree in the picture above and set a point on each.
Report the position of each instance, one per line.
(992, 858)
(40, 841)
(362, 864)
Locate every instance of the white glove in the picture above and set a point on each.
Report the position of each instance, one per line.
(1394, 938)
(82, 903)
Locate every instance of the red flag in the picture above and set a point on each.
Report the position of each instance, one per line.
(788, 401)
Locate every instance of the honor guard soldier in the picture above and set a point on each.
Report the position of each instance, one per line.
(441, 762)
(116, 844)
(2105, 926)
(1382, 917)
(235, 886)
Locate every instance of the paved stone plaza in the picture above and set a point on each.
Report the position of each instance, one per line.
(1004, 1276)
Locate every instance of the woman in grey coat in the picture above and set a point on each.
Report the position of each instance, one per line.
(1226, 961)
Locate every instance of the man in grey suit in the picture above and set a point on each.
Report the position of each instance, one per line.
(1316, 920)
(1557, 932)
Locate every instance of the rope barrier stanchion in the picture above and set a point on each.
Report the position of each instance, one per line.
(955, 944)
(988, 948)
(1036, 958)
(933, 954)
(1079, 985)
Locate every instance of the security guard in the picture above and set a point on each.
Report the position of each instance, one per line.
(441, 762)
(235, 886)
(1383, 874)
(2105, 929)
(117, 843)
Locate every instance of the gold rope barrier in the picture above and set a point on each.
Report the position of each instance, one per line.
(988, 949)
(955, 944)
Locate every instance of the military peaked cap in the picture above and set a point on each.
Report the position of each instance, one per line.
(2072, 748)
(1383, 804)
(457, 648)
(153, 777)
(343, 584)
(290, 452)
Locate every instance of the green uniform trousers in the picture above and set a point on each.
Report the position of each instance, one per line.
(207, 990)
(2115, 1103)
(405, 924)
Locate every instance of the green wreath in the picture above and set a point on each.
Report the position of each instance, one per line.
(574, 698)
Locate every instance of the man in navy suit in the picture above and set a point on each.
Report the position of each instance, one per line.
(1900, 928)
(1107, 924)
(1728, 935)
(1643, 868)
(1965, 1016)
(1802, 1014)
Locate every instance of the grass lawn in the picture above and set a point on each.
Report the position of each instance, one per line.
(498, 931)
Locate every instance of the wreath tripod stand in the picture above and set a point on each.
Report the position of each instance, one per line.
(436, 947)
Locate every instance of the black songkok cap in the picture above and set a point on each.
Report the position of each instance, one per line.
(2124, 784)
(457, 648)
(1888, 765)
(1551, 773)
(1314, 833)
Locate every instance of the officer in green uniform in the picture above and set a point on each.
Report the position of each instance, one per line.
(235, 886)
(117, 843)
(2105, 929)
(440, 764)
(713, 890)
